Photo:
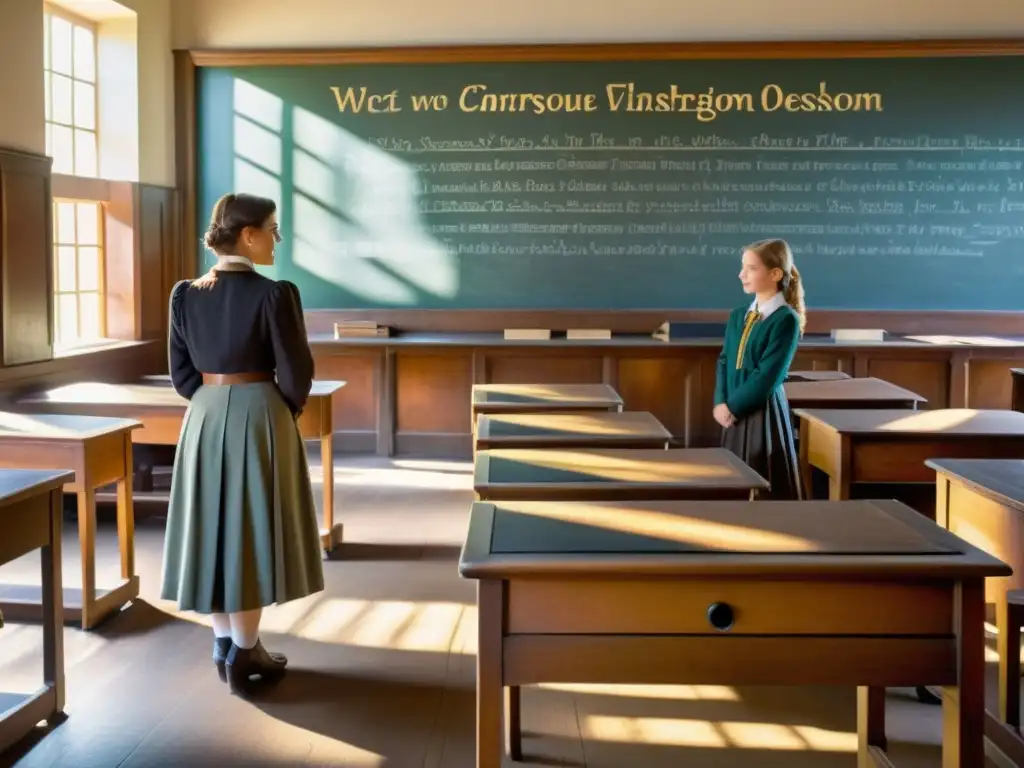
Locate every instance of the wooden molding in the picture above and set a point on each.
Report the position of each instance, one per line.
(185, 160)
(645, 321)
(850, 49)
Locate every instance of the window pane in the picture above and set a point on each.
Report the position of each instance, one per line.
(85, 153)
(85, 54)
(61, 109)
(89, 269)
(63, 150)
(67, 317)
(46, 41)
(88, 224)
(90, 314)
(66, 268)
(85, 105)
(60, 45)
(66, 223)
(47, 93)
(49, 140)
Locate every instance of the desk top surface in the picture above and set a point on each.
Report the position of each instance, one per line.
(713, 468)
(947, 422)
(590, 425)
(554, 395)
(860, 538)
(19, 484)
(59, 426)
(151, 392)
(866, 389)
(999, 479)
(816, 376)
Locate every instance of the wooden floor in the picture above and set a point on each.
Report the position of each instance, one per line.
(382, 670)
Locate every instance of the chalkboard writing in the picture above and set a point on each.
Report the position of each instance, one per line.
(899, 183)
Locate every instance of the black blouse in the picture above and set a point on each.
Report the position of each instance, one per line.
(244, 323)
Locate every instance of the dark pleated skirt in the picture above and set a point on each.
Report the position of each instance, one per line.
(242, 529)
(764, 440)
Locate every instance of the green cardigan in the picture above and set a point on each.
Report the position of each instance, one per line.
(770, 349)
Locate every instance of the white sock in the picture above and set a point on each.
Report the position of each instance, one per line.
(245, 627)
(221, 625)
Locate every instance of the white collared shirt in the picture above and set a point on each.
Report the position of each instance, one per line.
(775, 302)
(229, 259)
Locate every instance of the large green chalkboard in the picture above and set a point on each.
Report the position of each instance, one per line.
(903, 189)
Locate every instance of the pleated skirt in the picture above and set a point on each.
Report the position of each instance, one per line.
(242, 529)
(764, 440)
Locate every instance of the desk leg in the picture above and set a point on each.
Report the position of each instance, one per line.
(1009, 618)
(513, 723)
(331, 534)
(87, 541)
(803, 453)
(963, 705)
(126, 515)
(490, 612)
(870, 724)
(53, 606)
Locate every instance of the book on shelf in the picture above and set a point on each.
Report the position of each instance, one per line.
(359, 328)
(528, 334)
(588, 333)
(858, 334)
(671, 331)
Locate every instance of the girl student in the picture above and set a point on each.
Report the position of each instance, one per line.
(760, 341)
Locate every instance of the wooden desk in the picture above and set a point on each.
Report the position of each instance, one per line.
(588, 429)
(982, 502)
(892, 446)
(538, 398)
(816, 376)
(850, 393)
(609, 474)
(1017, 389)
(99, 451)
(31, 517)
(160, 409)
(869, 594)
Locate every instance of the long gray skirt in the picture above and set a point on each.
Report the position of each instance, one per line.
(242, 529)
(764, 440)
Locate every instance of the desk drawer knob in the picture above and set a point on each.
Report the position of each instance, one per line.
(721, 616)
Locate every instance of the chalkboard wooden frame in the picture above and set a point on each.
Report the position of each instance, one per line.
(187, 61)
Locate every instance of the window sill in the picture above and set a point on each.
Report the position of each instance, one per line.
(100, 345)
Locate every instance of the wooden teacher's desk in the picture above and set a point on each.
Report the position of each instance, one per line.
(586, 429)
(31, 516)
(160, 409)
(98, 449)
(860, 593)
(850, 393)
(613, 473)
(892, 446)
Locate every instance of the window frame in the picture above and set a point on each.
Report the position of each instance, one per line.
(50, 10)
(100, 292)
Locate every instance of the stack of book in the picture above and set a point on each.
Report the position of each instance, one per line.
(350, 328)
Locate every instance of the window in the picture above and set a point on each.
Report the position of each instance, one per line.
(78, 279)
(69, 66)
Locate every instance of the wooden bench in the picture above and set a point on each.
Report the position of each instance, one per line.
(869, 594)
(587, 429)
(160, 411)
(31, 518)
(98, 449)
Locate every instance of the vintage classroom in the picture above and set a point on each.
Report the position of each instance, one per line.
(516, 230)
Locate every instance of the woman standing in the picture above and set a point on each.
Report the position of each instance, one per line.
(760, 342)
(241, 526)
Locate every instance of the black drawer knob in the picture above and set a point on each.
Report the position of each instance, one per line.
(721, 616)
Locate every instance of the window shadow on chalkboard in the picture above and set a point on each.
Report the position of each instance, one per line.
(349, 208)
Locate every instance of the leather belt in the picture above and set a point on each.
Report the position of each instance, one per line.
(226, 379)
